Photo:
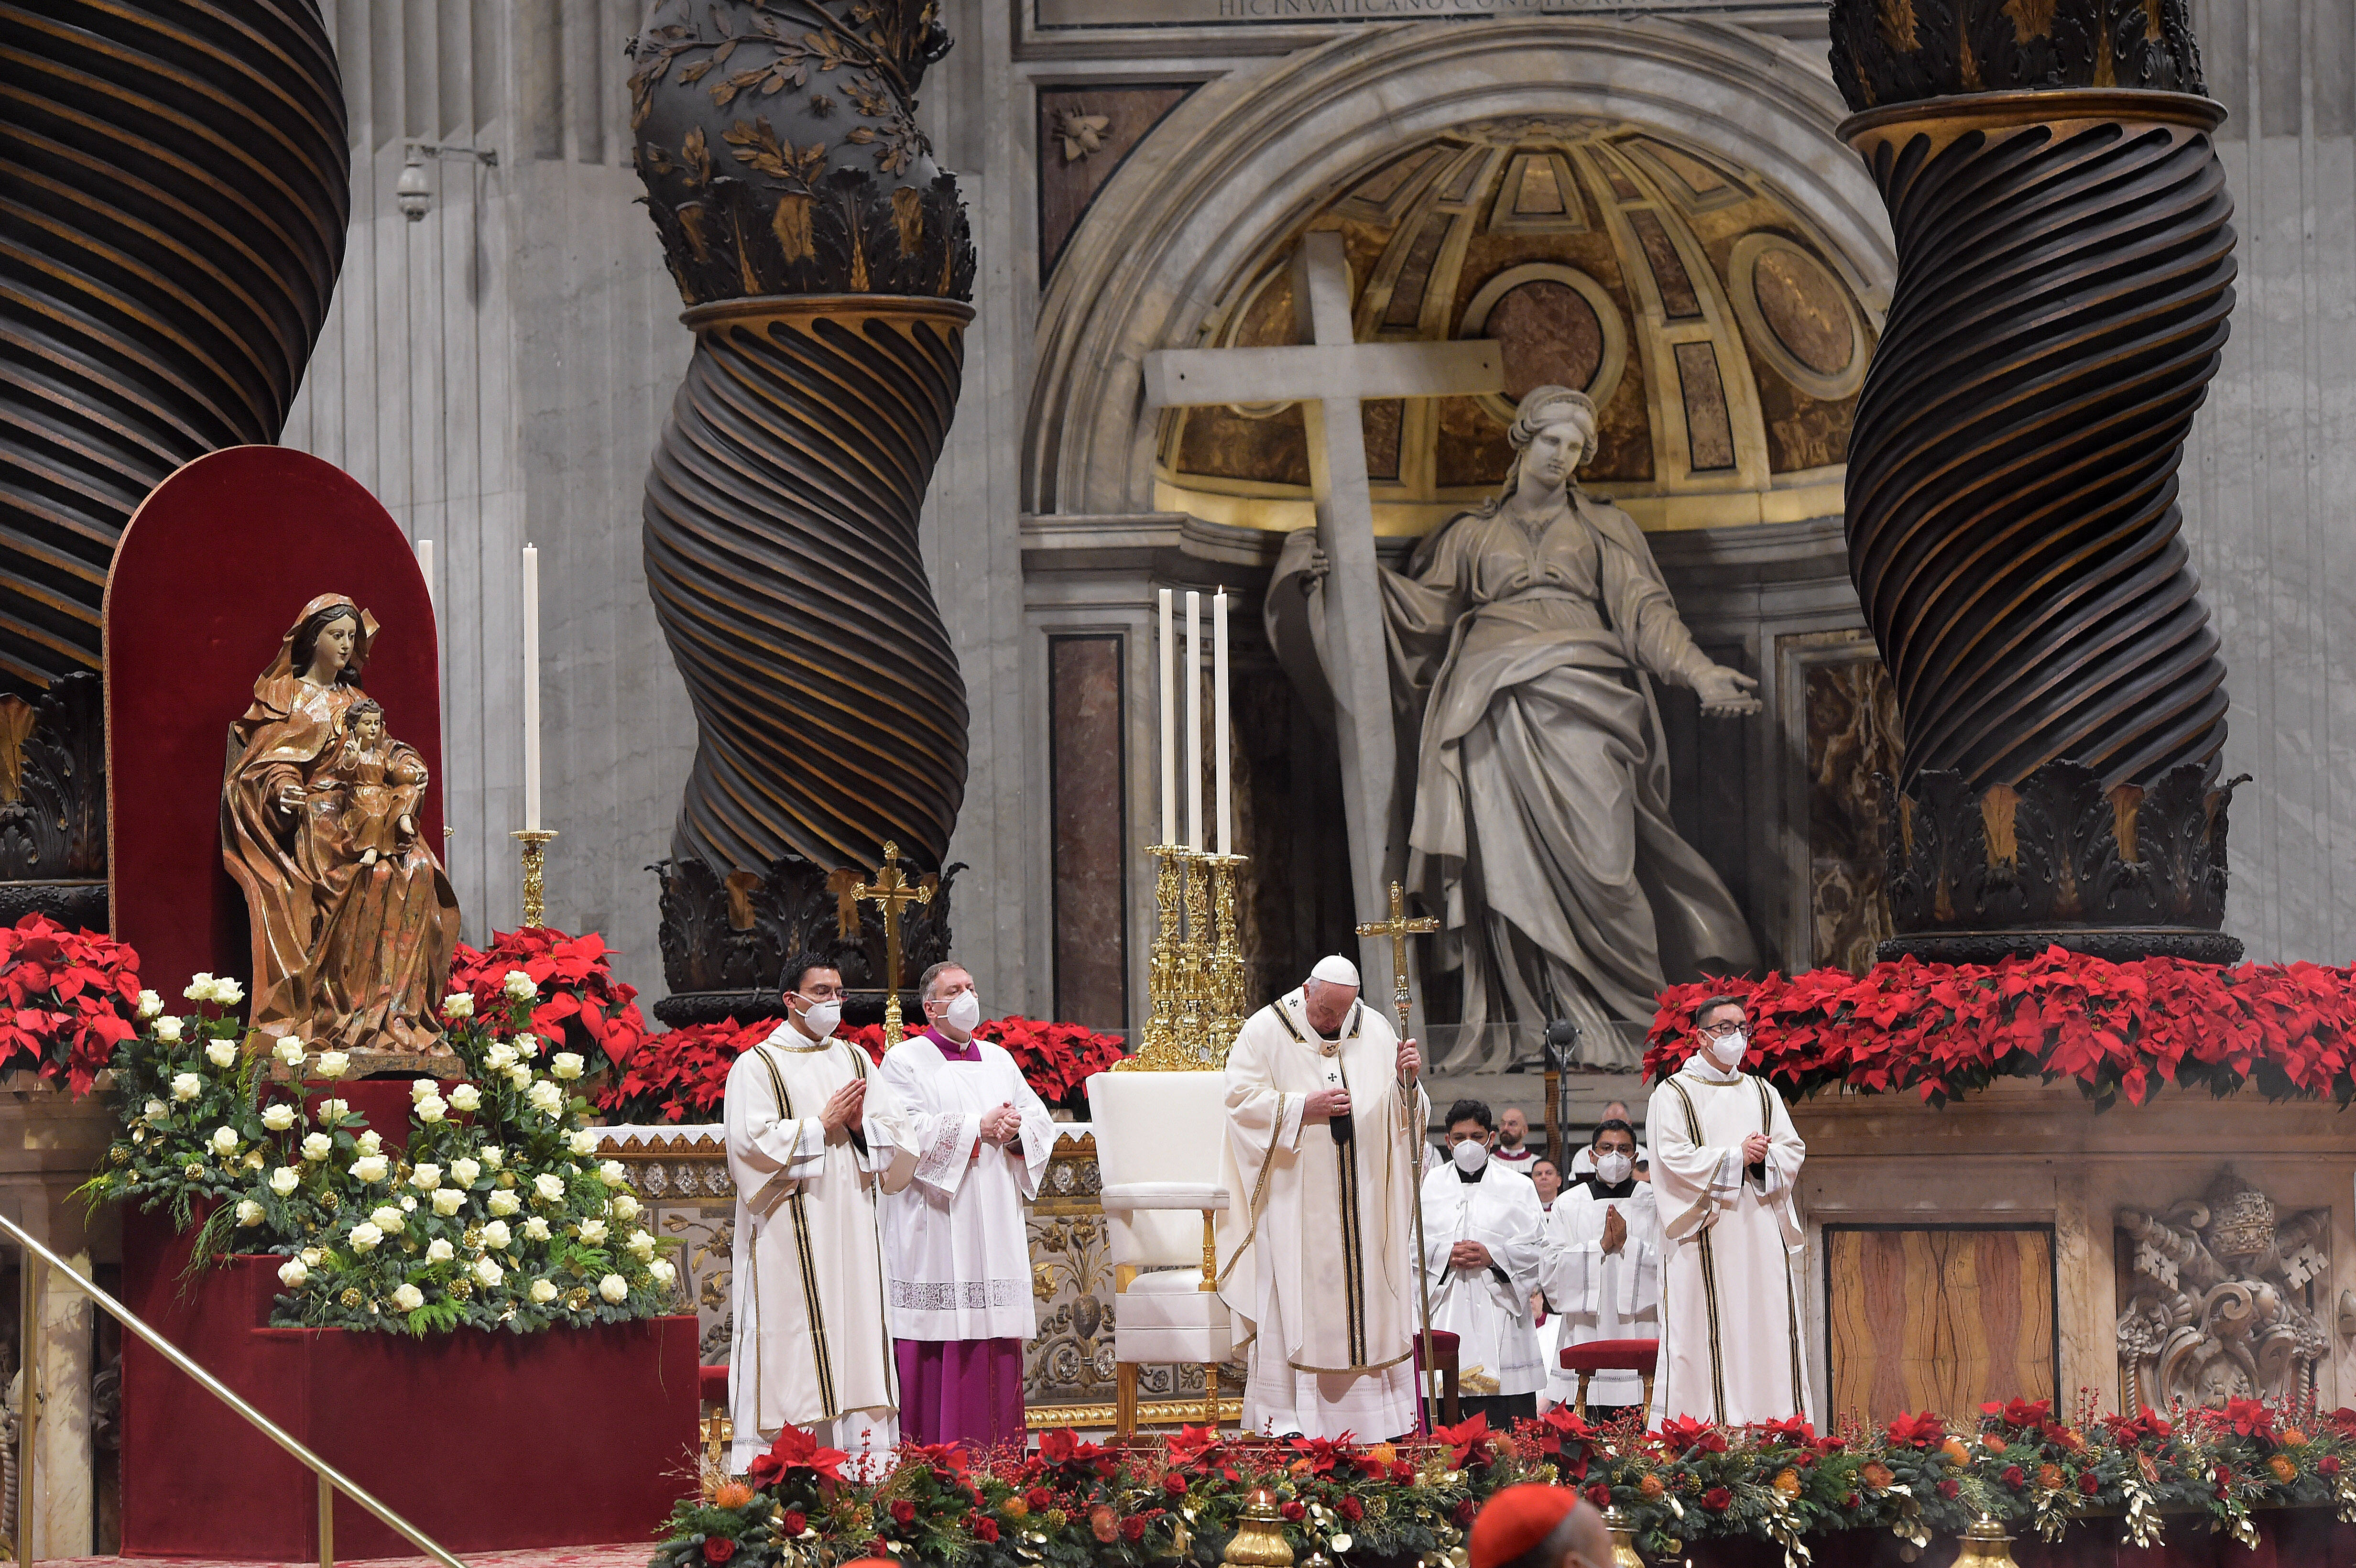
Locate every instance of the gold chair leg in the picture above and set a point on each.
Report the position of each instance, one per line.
(1648, 1398)
(1211, 1395)
(1582, 1410)
(1125, 1401)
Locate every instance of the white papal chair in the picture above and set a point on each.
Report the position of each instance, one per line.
(1158, 1141)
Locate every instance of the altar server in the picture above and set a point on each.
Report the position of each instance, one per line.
(1583, 1162)
(1602, 1272)
(956, 1252)
(1725, 1166)
(809, 1135)
(1482, 1236)
(1318, 1267)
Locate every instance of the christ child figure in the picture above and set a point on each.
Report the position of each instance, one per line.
(380, 780)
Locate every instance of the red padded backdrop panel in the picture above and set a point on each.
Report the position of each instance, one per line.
(216, 564)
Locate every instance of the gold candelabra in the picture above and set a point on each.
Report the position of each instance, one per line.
(1194, 978)
(535, 842)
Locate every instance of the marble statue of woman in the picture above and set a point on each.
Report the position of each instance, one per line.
(1522, 633)
(354, 922)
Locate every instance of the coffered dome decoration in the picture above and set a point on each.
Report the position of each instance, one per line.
(1709, 322)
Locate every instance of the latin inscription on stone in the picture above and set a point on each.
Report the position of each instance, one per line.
(1055, 14)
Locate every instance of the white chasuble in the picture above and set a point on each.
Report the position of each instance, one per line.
(1317, 1256)
(1597, 1295)
(1730, 1343)
(811, 1345)
(957, 1250)
(1487, 1308)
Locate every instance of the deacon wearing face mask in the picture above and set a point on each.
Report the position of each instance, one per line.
(1601, 1270)
(810, 1136)
(1482, 1230)
(957, 1256)
(1725, 1167)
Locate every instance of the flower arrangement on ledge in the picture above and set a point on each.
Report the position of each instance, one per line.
(1073, 1503)
(577, 1000)
(68, 1000)
(1942, 1031)
(495, 1215)
(681, 1076)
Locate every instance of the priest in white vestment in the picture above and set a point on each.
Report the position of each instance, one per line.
(957, 1251)
(1601, 1273)
(1725, 1163)
(809, 1135)
(1318, 1267)
(1482, 1233)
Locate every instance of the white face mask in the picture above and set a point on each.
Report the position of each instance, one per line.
(821, 1018)
(963, 1012)
(1728, 1052)
(1469, 1156)
(1614, 1167)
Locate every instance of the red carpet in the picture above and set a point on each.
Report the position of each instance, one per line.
(631, 1554)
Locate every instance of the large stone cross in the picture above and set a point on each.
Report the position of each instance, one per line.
(1329, 376)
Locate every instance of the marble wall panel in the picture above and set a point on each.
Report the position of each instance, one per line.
(1086, 131)
(1086, 766)
(1937, 1317)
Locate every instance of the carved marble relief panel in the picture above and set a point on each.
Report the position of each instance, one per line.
(2222, 1297)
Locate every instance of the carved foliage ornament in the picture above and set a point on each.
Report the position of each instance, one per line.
(1897, 51)
(780, 152)
(2223, 1302)
(2129, 871)
(724, 938)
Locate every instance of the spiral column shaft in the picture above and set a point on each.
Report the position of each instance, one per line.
(2065, 264)
(781, 552)
(175, 183)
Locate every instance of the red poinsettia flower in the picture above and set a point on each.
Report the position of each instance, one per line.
(1463, 1438)
(1194, 1446)
(1796, 1433)
(2249, 1418)
(1684, 1435)
(948, 1459)
(1920, 1429)
(1323, 1454)
(795, 1449)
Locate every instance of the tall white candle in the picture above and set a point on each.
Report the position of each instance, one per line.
(425, 570)
(531, 687)
(1220, 717)
(1169, 727)
(1192, 667)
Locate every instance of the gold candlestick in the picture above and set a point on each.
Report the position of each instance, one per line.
(1195, 958)
(1227, 977)
(1159, 1049)
(535, 842)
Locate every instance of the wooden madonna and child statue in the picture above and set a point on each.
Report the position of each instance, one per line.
(354, 922)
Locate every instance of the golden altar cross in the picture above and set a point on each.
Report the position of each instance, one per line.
(1398, 928)
(891, 889)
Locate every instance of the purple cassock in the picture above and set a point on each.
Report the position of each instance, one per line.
(956, 1243)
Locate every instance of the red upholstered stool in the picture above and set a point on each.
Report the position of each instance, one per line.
(1443, 1354)
(1638, 1356)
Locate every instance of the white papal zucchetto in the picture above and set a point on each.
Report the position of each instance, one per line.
(1335, 970)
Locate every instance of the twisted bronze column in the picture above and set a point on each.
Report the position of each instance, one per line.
(174, 188)
(823, 256)
(781, 552)
(2064, 280)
